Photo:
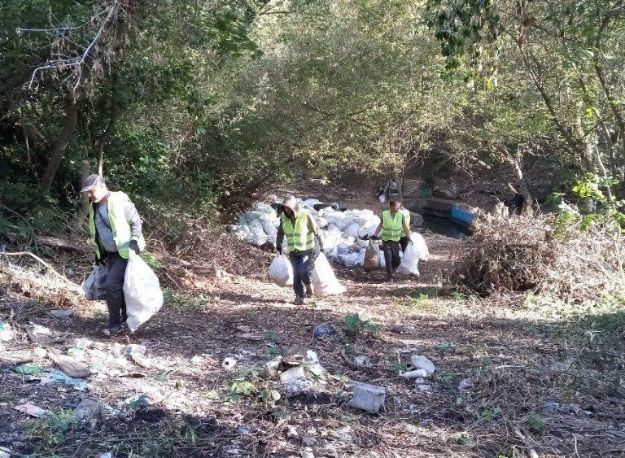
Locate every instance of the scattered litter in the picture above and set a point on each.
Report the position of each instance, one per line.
(323, 330)
(368, 397)
(88, 409)
(294, 380)
(416, 374)
(422, 362)
(135, 349)
(106, 455)
(424, 387)
(40, 352)
(58, 377)
(5, 452)
(138, 402)
(465, 384)
(75, 352)
(39, 335)
(62, 314)
(82, 343)
(6, 332)
(70, 366)
(362, 361)
(229, 363)
(31, 409)
(271, 367)
(27, 369)
(252, 337)
(307, 453)
(243, 429)
(141, 360)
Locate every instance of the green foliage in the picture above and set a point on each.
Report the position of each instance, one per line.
(26, 210)
(354, 325)
(50, 430)
(536, 423)
(399, 367)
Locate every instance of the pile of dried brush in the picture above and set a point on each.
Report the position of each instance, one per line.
(537, 253)
(208, 250)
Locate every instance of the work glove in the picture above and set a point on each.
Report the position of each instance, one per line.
(366, 237)
(134, 246)
(99, 261)
(374, 237)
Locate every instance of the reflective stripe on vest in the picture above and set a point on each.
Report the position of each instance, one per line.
(117, 221)
(298, 237)
(392, 226)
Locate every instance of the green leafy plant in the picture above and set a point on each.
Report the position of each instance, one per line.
(354, 325)
(536, 422)
(52, 428)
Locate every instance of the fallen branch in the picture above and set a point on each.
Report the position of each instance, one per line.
(37, 258)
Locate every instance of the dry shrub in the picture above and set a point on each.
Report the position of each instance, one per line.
(208, 250)
(537, 253)
(34, 282)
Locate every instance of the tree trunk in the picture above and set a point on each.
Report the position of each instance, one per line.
(527, 208)
(58, 152)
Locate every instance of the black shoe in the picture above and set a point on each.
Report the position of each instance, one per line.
(113, 329)
(309, 291)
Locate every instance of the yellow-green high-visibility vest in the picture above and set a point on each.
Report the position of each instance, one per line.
(406, 214)
(392, 226)
(299, 237)
(119, 225)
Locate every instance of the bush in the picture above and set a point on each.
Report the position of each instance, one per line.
(541, 254)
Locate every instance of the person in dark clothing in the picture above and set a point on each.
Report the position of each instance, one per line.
(115, 229)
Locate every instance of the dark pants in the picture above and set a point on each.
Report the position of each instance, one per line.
(391, 256)
(403, 242)
(114, 286)
(300, 260)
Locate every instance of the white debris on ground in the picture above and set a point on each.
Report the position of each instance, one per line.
(342, 231)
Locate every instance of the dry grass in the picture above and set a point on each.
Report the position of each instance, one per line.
(535, 253)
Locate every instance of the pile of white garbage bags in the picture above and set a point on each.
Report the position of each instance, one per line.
(342, 230)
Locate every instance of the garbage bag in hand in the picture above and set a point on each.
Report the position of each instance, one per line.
(281, 271)
(142, 292)
(421, 247)
(93, 286)
(323, 279)
(410, 261)
(372, 256)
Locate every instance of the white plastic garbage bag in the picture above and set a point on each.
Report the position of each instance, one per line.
(93, 286)
(421, 247)
(372, 257)
(410, 261)
(323, 279)
(281, 271)
(142, 292)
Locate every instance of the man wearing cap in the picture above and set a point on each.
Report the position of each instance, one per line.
(115, 228)
(392, 226)
(301, 231)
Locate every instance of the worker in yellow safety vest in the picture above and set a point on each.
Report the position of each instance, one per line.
(300, 231)
(114, 229)
(394, 224)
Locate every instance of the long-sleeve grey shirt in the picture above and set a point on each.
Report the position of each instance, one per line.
(105, 233)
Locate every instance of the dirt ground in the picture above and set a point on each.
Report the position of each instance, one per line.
(514, 377)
